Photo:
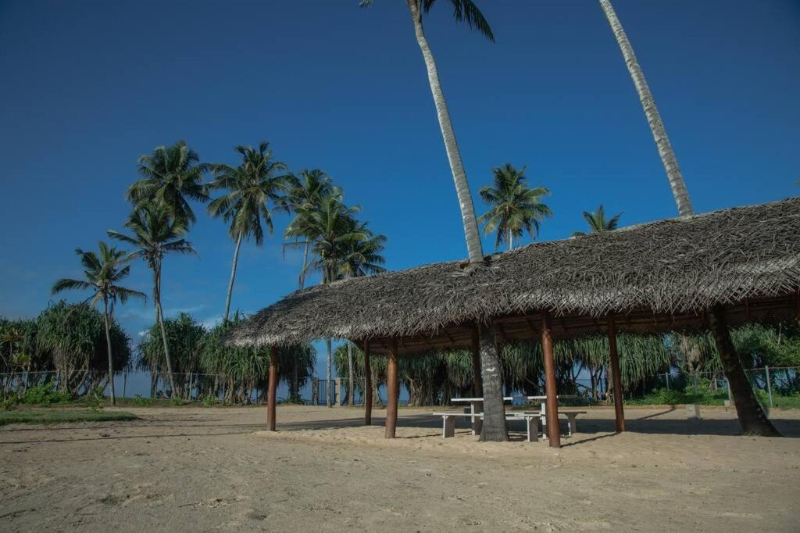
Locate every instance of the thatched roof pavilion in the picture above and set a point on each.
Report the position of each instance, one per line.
(713, 270)
(659, 276)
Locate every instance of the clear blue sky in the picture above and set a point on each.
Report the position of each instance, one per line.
(86, 87)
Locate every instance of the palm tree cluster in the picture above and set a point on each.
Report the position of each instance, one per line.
(171, 179)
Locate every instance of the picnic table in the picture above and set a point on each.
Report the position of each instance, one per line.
(477, 417)
(477, 422)
(571, 415)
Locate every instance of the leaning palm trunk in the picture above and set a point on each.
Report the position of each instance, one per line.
(651, 111)
(751, 417)
(108, 344)
(453, 155)
(493, 394)
(233, 278)
(302, 279)
(160, 319)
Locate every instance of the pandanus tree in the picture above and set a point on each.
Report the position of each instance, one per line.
(171, 176)
(305, 191)
(330, 231)
(751, 416)
(494, 426)
(103, 272)
(515, 208)
(156, 233)
(253, 188)
(598, 222)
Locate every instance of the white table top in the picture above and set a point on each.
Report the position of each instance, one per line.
(507, 399)
(557, 396)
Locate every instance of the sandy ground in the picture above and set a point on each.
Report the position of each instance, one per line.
(208, 469)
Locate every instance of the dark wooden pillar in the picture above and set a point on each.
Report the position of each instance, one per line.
(553, 431)
(391, 392)
(367, 387)
(616, 378)
(273, 388)
(751, 416)
(477, 380)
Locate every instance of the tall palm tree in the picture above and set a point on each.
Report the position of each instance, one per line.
(466, 11)
(515, 207)
(598, 222)
(330, 231)
(305, 192)
(494, 426)
(155, 233)
(253, 188)
(103, 274)
(171, 175)
(674, 175)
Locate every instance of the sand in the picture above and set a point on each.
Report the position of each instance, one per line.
(213, 469)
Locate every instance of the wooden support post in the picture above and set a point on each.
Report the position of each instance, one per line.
(391, 392)
(553, 431)
(616, 379)
(477, 380)
(273, 388)
(367, 387)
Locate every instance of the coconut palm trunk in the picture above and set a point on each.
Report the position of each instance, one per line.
(494, 418)
(751, 417)
(160, 319)
(302, 279)
(474, 247)
(233, 278)
(350, 389)
(108, 345)
(328, 375)
(651, 112)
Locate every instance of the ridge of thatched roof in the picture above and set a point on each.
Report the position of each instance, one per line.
(676, 265)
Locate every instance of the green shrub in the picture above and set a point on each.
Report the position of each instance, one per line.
(176, 401)
(210, 401)
(45, 394)
(6, 405)
(141, 401)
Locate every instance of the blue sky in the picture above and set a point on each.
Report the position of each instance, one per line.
(87, 87)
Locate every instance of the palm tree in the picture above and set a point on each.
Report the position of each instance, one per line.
(103, 274)
(361, 258)
(598, 223)
(155, 234)
(330, 231)
(674, 175)
(251, 187)
(494, 427)
(466, 11)
(515, 207)
(171, 175)
(305, 192)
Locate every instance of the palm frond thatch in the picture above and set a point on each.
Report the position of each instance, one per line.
(669, 266)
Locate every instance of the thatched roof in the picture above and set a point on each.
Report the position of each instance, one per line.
(666, 267)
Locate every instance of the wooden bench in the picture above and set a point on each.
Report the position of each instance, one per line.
(449, 422)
